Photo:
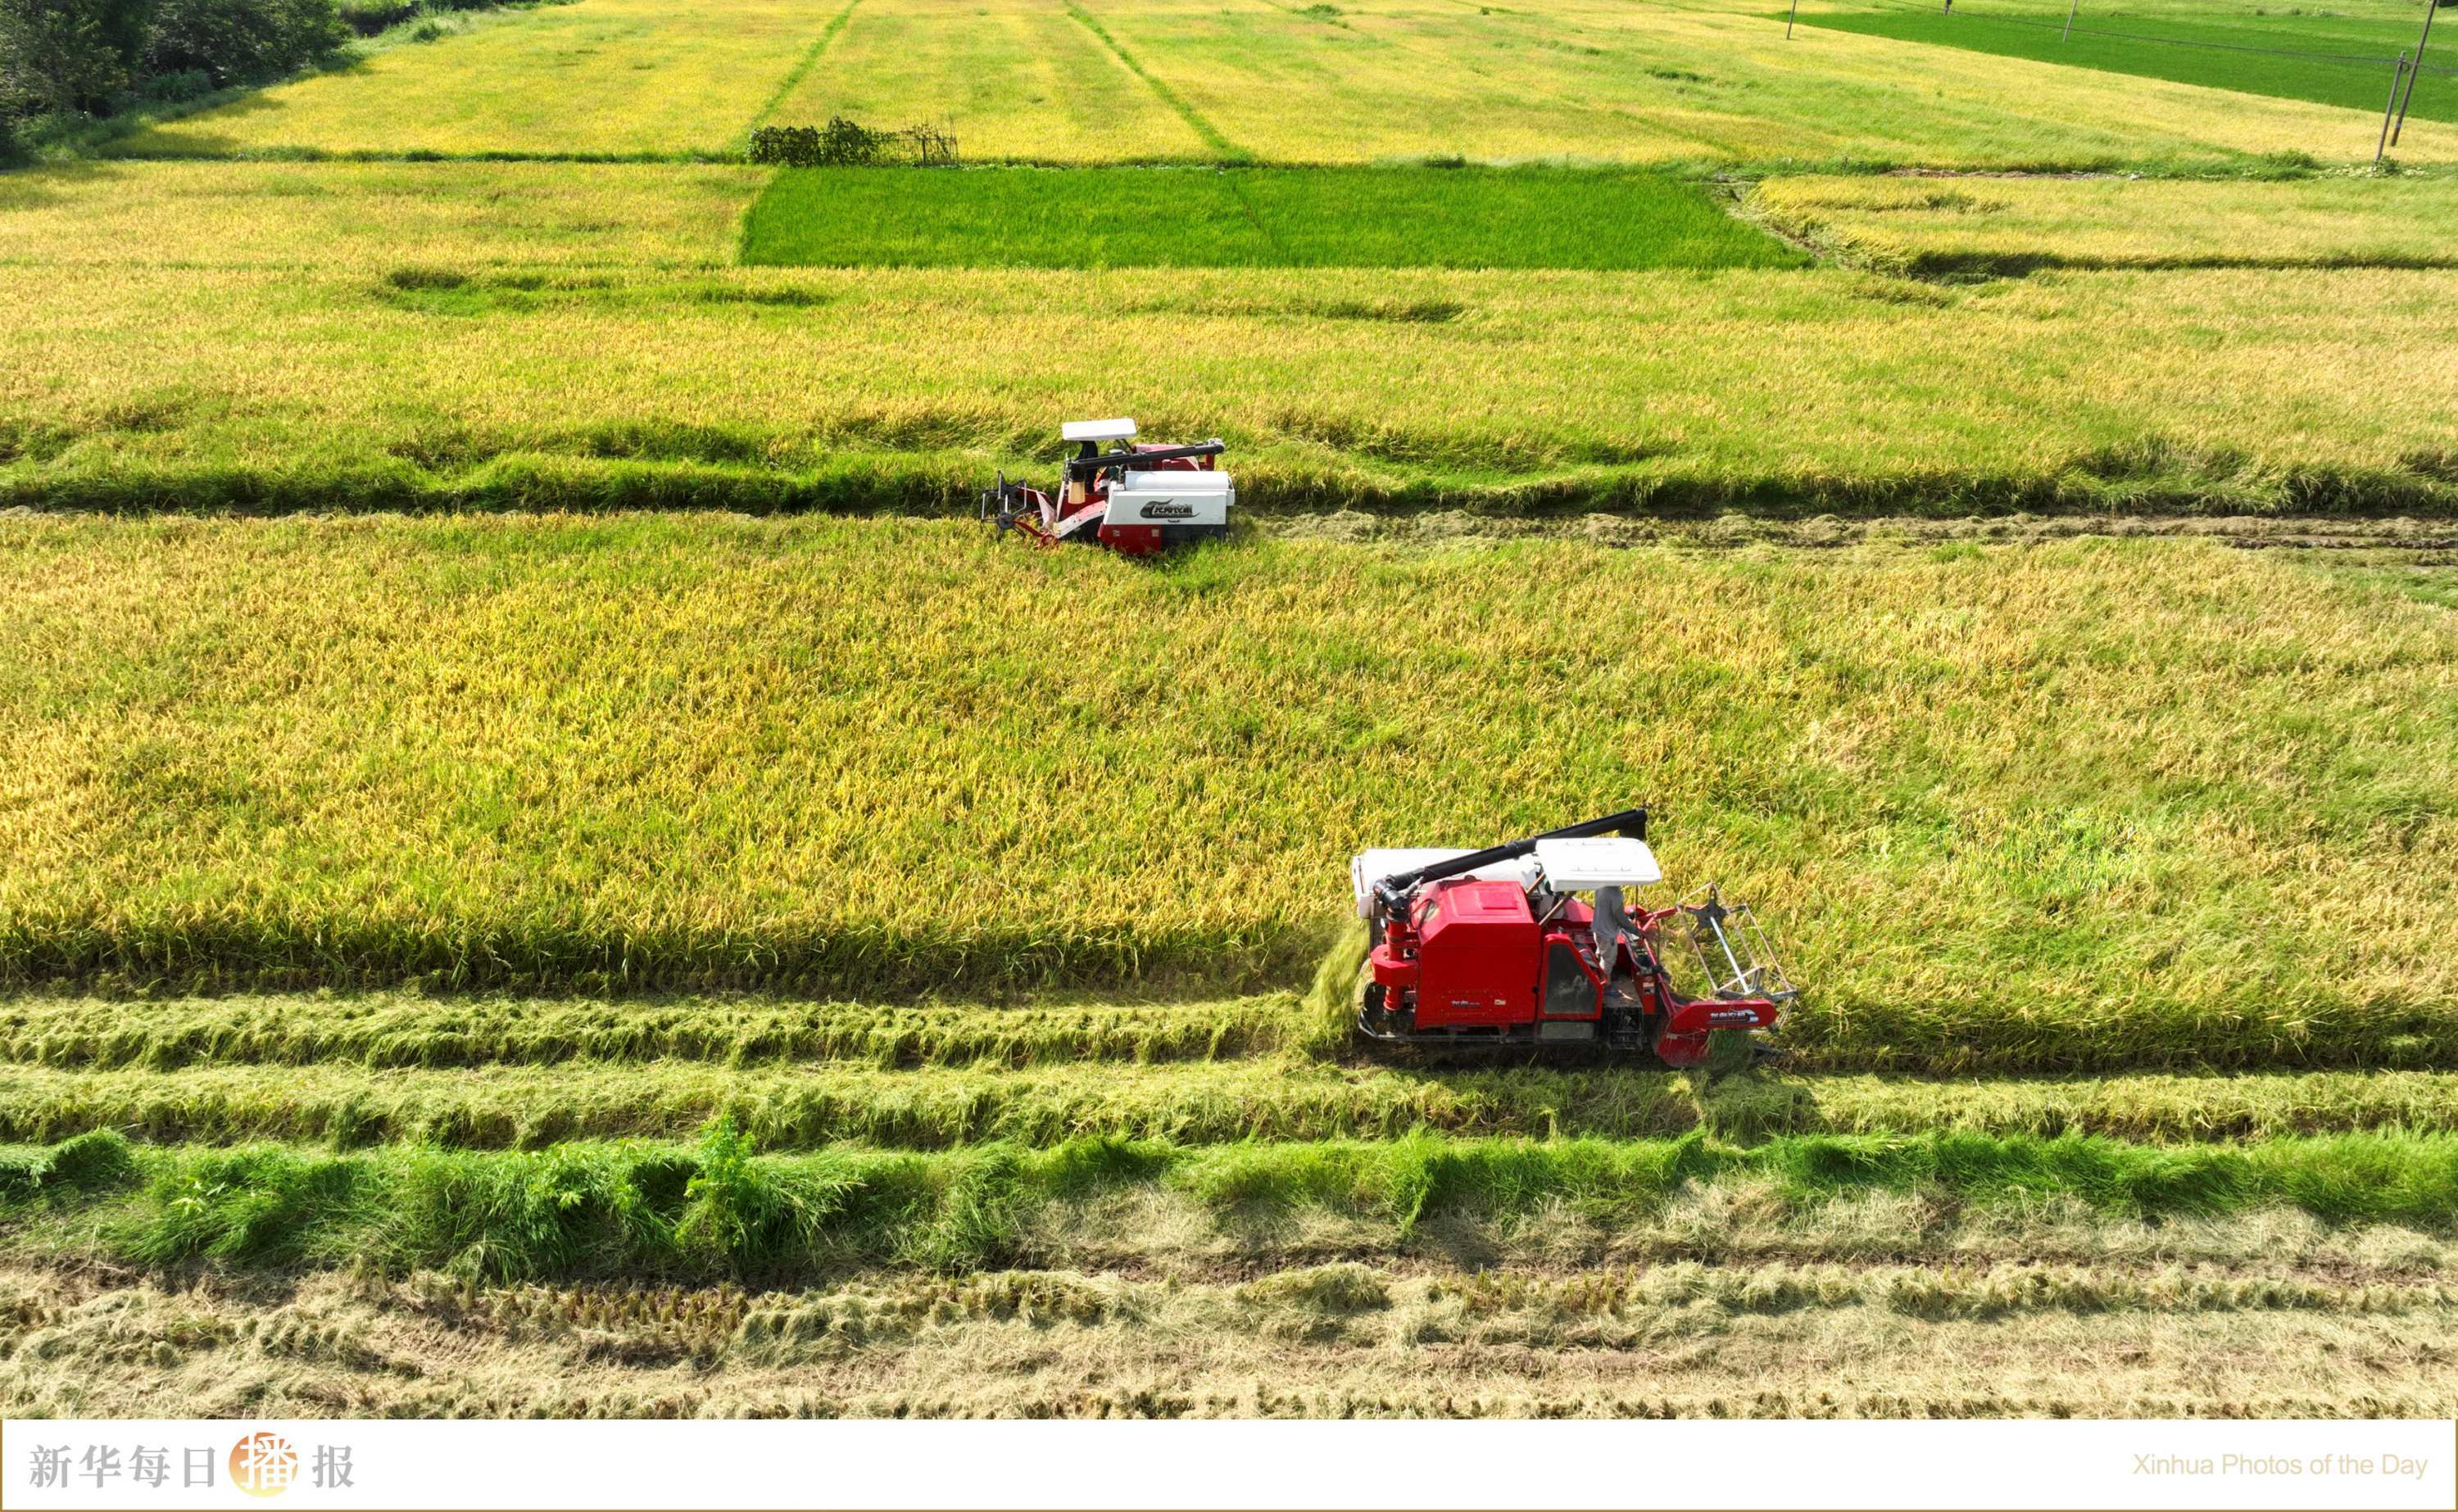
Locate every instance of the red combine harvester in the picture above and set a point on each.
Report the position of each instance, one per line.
(1494, 948)
(1138, 501)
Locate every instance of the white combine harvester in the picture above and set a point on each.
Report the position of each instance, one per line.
(1138, 501)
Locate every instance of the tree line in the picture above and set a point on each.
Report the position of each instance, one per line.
(68, 61)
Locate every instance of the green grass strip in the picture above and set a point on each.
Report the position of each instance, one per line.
(721, 1208)
(1261, 217)
(2277, 59)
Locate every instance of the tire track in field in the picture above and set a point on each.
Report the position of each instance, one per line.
(1437, 58)
(1229, 150)
(802, 69)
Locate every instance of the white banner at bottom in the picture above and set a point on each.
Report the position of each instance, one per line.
(2025, 1464)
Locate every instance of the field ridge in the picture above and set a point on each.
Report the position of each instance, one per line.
(594, 1211)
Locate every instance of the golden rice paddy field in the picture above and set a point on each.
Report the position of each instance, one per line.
(280, 336)
(2086, 803)
(1927, 226)
(608, 78)
(1110, 81)
(533, 885)
(2117, 870)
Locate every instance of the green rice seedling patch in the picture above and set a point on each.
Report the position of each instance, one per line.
(1368, 218)
(2329, 59)
(2434, 585)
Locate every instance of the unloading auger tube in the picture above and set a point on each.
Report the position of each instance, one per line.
(1497, 948)
(1392, 890)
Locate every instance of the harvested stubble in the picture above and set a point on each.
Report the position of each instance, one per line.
(2010, 808)
(1779, 1339)
(381, 1030)
(807, 1107)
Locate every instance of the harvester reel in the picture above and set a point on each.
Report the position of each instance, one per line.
(1733, 951)
(1004, 508)
(993, 505)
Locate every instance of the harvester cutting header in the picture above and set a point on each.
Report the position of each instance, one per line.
(1496, 948)
(1137, 500)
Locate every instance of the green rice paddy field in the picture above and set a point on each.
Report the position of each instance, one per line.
(2343, 56)
(540, 874)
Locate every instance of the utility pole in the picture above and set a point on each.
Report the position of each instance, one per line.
(2072, 7)
(1790, 20)
(2429, 7)
(2396, 76)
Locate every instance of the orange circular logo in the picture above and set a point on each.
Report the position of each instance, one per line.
(264, 1464)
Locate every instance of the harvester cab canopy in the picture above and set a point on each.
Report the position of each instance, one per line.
(1604, 861)
(1092, 433)
(1555, 865)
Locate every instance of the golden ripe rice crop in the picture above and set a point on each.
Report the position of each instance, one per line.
(1589, 79)
(787, 1106)
(2082, 805)
(376, 217)
(610, 78)
(535, 879)
(475, 333)
(1933, 228)
(1014, 79)
(1196, 80)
